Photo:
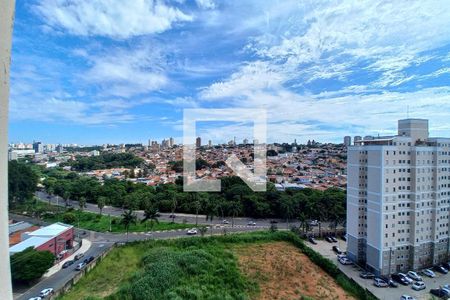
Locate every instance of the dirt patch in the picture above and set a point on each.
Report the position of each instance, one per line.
(284, 273)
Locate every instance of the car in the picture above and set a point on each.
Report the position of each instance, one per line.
(336, 249)
(366, 275)
(440, 269)
(406, 278)
(400, 279)
(251, 223)
(192, 231)
(414, 275)
(344, 237)
(78, 256)
(429, 273)
(225, 222)
(333, 239)
(328, 239)
(90, 259)
(80, 266)
(345, 261)
(35, 298)
(67, 264)
(407, 297)
(314, 223)
(46, 292)
(273, 222)
(312, 240)
(418, 285)
(440, 293)
(172, 216)
(389, 281)
(378, 282)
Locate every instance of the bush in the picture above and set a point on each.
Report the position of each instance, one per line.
(30, 264)
(69, 218)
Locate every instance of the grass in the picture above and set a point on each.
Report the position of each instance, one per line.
(187, 268)
(90, 221)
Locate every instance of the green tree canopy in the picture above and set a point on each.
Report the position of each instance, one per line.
(30, 264)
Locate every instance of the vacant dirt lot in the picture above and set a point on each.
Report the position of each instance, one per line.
(283, 272)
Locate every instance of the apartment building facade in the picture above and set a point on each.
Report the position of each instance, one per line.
(398, 200)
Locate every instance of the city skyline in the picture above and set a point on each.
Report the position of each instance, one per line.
(74, 79)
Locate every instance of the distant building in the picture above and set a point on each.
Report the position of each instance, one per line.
(356, 139)
(38, 147)
(209, 143)
(347, 141)
(171, 142)
(198, 142)
(398, 200)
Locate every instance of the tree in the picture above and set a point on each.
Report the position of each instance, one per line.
(203, 230)
(151, 215)
(22, 182)
(128, 218)
(287, 207)
(101, 201)
(235, 208)
(82, 203)
(30, 264)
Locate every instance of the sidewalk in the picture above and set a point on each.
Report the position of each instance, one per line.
(84, 247)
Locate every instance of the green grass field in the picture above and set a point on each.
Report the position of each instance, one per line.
(187, 268)
(91, 221)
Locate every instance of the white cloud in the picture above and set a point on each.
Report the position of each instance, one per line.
(111, 18)
(206, 4)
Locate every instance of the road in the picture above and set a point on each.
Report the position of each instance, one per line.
(101, 242)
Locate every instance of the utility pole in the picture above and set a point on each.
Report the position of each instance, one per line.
(6, 26)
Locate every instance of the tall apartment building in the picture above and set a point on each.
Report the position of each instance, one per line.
(347, 141)
(398, 200)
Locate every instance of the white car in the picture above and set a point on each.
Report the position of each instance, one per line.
(429, 273)
(46, 292)
(407, 297)
(35, 298)
(225, 222)
(251, 223)
(345, 261)
(414, 275)
(418, 285)
(192, 231)
(408, 279)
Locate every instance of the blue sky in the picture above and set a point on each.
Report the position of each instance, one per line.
(111, 71)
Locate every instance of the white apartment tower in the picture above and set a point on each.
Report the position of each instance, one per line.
(398, 200)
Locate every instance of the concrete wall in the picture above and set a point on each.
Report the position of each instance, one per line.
(6, 25)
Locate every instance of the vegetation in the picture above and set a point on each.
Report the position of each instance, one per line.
(235, 199)
(30, 264)
(105, 161)
(22, 182)
(88, 220)
(194, 268)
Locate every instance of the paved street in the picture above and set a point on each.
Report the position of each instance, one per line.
(352, 271)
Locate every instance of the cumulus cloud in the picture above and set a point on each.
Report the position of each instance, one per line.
(111, 18)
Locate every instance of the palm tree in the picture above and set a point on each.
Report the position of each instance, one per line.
(101, 201)
(128, 218)
(151, 215)
(174, 207)
(287, 206)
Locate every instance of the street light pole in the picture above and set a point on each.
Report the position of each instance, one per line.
(6, 26)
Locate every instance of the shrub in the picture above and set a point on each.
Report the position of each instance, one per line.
(69, 218)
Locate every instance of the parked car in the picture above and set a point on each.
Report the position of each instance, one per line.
(328, 239)
(400, 279)
(225, 222)
(35, 298)
(172, 216)
(67, 264)
(192, 231)
(406, 278)
(345, 261)
(336, 249)
(46, 292)
(418, 285)
(78, 256)
(429, 273)
(440, 293)
(440, 269)
(389, 281)
(344, 237)
(366, 275)
(251, 223)
(273, 222)
(407, 297)
(414, 275)
(312, 240)
(80, 266)
(333, 239)
(378, 282)
(446, 265)
(90, 259)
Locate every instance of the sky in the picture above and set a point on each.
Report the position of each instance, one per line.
(114, 71)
